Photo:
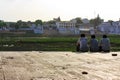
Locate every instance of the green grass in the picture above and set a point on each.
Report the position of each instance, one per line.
(49, 43)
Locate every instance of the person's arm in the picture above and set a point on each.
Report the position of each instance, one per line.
(90, 43)
(78, 42)
(100, 43)
(87, 42)
(78, 45)
(109, 42)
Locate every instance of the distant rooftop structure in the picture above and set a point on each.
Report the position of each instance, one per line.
(57, 19)
(110, 27)
(74, 20)
(85, 21)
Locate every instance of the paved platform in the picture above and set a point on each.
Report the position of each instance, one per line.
(59, 66)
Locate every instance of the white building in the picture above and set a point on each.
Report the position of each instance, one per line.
(73, 20)
(67, 27)
(88, 28)
(4, 29)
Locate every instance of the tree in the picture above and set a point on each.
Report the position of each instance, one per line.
(22, 24)
(18, 24)
(2, 23)
(110, 21)
(12, 24)
(38, 22)
(96, 21)
(51, 22)
(79, 21)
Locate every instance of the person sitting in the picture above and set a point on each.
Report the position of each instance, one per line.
(82, 44)
(94, 44)
(105, 44)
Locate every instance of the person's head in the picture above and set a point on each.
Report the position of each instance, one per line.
(104, 36)
(82, 35)
(92, 36)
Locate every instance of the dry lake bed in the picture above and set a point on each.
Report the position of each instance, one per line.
(59, 66)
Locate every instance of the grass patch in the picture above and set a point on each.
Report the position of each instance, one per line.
(49, 43)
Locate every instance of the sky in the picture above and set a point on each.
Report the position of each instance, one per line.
(31, 10)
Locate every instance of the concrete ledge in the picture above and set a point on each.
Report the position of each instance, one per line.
(59, 66)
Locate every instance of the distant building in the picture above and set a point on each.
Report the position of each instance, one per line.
(74, 20)
(67, 27)
(110, 28)
(85, 21)
(4, 29)
(86, 28)
(38, 29)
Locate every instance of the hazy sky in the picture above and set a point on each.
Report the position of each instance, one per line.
(13, 10)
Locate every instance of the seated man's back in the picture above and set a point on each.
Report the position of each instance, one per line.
(105, 44)
(94, 44)
(82, 42)
(83, 45)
